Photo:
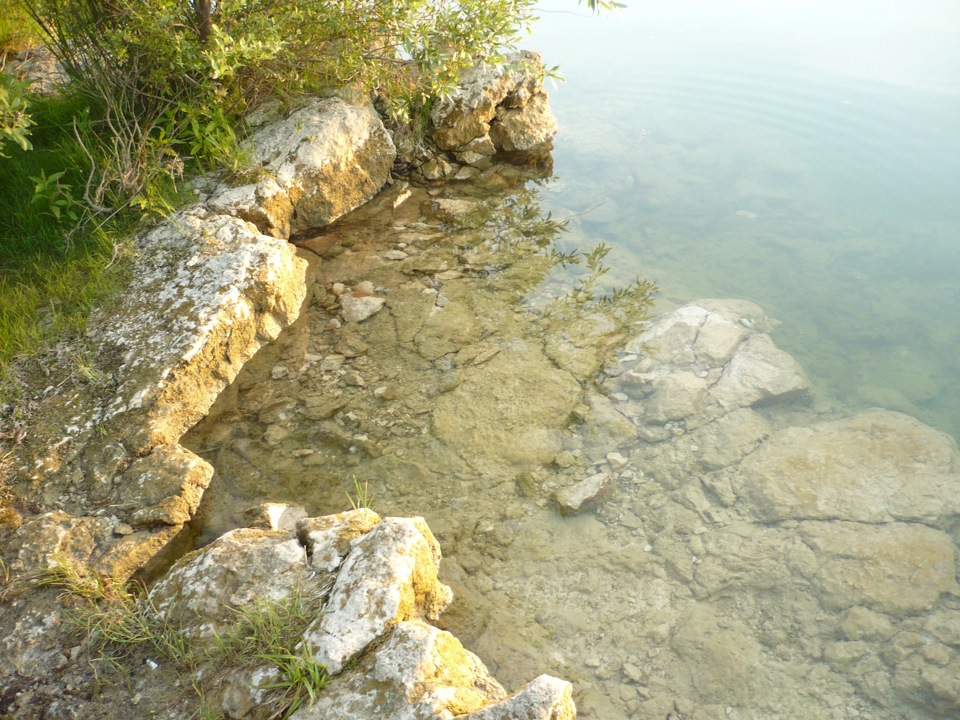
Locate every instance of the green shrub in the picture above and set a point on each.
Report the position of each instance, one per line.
(168, 79)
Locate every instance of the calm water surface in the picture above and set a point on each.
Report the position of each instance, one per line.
(805, 156)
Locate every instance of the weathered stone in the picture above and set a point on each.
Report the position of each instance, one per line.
(528, 129)
(389, 576)
(452, 209)
(328, 539)
(584, 494)
(320, 162)
(465, 115)
(876, 466)
(895, 568)
(418, 672)
(543, 698)
(524, 434)
(165, 487)
(210, 292)
(274, 516)
(205, 587)
(759, 372)
(704, 360)
(357, 308)
(242, 694)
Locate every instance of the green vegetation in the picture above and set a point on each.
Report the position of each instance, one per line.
(121, 627)
(158, 90)
(51, 272)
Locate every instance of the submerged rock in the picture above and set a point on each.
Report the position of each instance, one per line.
(584, 494)
(874, 467)
(705, 360)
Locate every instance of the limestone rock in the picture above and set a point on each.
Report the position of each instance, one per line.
(704, 360)
(210, 291)
(876, 466)
(53, 538)
(418, 672)
(357, 308)
(525, 433)
(584, 494)
(759, 372)
(320, 162)
(895, 568)
(466, 120)
(236, 568)
(527, 129)
(166, 486)
(329, 539)
(389, 576)
(543, 698)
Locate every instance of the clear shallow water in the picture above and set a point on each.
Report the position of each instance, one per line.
(722, 154)
(805, 156)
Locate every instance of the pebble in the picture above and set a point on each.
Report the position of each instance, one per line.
(332, 363)
(123, 529)
(384, 392)
(354, 379)
(364, 288)
(617, 461)
(395, 255)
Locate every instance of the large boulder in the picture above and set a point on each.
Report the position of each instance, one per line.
(317, 164)
(498, 108)
(389, 576)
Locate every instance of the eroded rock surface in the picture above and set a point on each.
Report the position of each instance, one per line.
(370, 611)
(318, 163)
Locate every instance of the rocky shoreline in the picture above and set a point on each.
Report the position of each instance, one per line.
(758, 557)
(111, 490)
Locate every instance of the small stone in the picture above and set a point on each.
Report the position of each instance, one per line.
(354, 379)
(565, 459)
(339, 289)
(395, 255)
(279, 372)
(364, 288)
(332, 363)
(617, 461)
(582, 495)
(385, 392)
(351, 347)
(357, 308)
(620, 397)
(123, 529)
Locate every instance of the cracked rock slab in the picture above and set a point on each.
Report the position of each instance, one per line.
(389, 576)
(874, 467)
(244, 565)
(418, 672)
(317, 164)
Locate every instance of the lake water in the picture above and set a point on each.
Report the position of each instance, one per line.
(778, 561)
(803, 155)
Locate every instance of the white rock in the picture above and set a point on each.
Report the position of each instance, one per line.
(585, 493)
(543, 698)
(357, 308)
(389, 576)
(418, 672)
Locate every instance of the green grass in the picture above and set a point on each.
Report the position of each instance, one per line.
(119, 624)
(17, 29)
(50, 277)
